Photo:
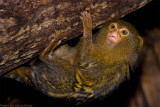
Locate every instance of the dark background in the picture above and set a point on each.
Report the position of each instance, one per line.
(12, 92)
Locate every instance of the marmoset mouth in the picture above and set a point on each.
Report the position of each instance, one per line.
(113, 39)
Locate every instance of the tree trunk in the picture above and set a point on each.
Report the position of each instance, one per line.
(27, 26)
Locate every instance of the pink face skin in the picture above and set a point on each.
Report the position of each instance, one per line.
(113, 38)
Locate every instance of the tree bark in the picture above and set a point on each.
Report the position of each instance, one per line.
(27, 26)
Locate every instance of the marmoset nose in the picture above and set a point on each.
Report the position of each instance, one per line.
(114, 37)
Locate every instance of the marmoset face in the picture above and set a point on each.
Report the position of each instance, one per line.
(116, 33)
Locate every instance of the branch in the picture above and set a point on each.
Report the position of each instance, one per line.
(27, 26)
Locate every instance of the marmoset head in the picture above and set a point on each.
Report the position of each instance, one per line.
(117, 32)
(119, 39)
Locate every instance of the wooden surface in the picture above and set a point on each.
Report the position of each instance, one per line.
(27, 26)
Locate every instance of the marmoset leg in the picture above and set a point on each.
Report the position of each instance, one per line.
(54, 43)
(52, 59)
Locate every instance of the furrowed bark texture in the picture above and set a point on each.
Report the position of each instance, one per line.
(27, 26)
